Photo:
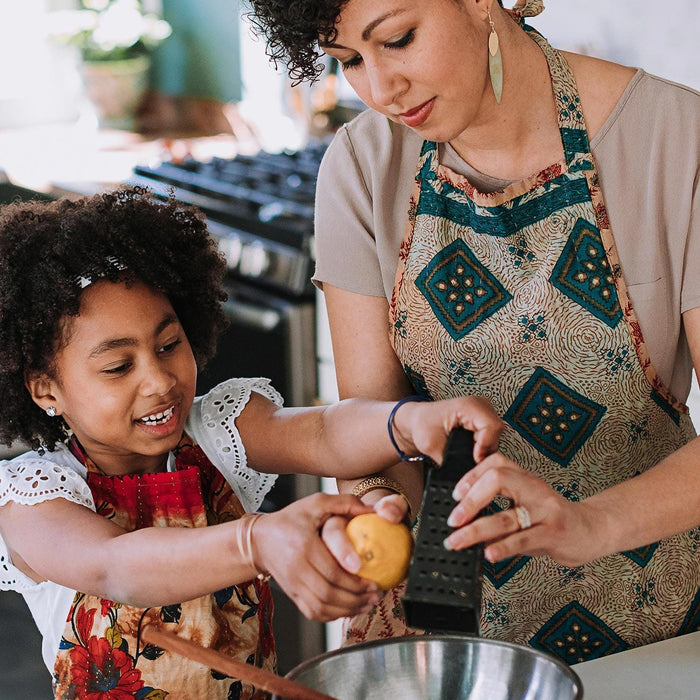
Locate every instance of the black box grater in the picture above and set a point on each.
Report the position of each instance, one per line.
(443, 590)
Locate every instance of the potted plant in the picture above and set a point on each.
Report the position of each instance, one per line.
(115, 39)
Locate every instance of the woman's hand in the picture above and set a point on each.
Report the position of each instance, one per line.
(425, 426)
(288, 545)
(566, 531)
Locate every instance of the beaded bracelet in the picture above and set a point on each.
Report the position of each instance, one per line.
(390, 427)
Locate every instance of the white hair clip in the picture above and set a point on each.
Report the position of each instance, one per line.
(83, 282)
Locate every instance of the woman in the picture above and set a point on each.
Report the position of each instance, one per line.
(527, 221)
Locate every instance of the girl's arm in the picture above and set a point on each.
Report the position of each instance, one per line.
(351, 438)
(662, 501)
(71, 545)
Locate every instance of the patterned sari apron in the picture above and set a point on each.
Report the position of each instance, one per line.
(101, 655)
(518, 296)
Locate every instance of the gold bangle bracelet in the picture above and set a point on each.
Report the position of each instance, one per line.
(244, 539)
(372, 483)
(378, 482)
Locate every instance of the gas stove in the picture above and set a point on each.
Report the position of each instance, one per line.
(259, 207)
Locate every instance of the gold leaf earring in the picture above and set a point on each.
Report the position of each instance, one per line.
(495, 62)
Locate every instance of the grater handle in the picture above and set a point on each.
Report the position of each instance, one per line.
(459, 456)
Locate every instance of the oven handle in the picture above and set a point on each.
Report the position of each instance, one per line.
(252, 316)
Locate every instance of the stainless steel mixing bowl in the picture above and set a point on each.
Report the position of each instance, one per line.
(449, 667)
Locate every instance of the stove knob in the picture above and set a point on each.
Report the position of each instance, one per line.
(271, 211)
(255, 260)
(294, 180)
(232, 248)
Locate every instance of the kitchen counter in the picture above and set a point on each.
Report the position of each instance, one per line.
(668, 670)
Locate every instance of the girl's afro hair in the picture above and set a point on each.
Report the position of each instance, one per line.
(127, 235)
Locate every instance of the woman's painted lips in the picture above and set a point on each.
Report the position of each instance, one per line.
(416, 117)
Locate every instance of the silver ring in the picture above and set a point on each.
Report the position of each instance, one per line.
(522, 515)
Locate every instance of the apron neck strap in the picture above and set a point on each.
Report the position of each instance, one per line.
(572, 127)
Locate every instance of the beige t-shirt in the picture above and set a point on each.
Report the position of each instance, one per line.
(648, 159)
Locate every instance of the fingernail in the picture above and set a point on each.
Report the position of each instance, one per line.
(453, 519)
(352, 563)
(447, 545)
(459, 492)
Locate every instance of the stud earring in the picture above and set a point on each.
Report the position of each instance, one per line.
(495, 62)
(51, 411)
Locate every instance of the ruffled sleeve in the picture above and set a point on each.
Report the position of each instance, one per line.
(28, 480)
(212, 425)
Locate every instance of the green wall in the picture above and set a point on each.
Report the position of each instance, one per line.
(202, 56)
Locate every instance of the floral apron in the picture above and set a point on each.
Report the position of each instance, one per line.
(518, 296)
(101, 655)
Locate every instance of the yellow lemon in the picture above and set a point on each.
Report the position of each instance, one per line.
(385, 548)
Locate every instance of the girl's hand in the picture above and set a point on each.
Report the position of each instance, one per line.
(392, 508)
(288, 545)
(424, 426)
(560, 528)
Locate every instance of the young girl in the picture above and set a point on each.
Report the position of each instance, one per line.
(137, 504)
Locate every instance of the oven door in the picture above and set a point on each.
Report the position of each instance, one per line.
(275, 337)
(269, 336)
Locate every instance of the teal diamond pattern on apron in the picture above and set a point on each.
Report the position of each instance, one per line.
(575, 634)
(584, 275)
(692, 619)
(552, 417)
(664, 405)
(417, 382)
(460, 290)
(502, 571)
(642, 555)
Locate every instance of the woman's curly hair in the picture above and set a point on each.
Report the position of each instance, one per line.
(125, 235)
(292, 29)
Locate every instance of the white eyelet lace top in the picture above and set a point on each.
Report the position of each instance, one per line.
(32, 478)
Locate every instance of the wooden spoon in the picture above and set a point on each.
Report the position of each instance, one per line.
(265, 680)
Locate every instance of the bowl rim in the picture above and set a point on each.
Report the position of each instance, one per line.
(440, 638)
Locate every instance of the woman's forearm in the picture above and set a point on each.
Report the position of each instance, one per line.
(660, 502)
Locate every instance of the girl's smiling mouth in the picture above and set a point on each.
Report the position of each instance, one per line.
(159, 418)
